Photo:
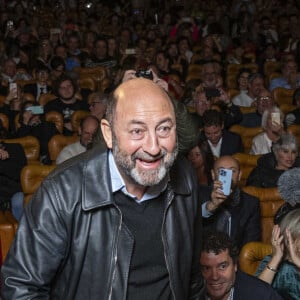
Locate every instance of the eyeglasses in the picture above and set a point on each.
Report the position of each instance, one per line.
(264, 98)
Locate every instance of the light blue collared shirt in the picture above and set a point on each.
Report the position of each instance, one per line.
(118, 183)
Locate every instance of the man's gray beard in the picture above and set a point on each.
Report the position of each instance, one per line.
(146, 177)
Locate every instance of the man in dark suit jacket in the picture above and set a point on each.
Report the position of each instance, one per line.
(41, 86)
(222, 278)
(237, 214)
(221, 141)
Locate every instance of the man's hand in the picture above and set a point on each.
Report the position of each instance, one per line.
(217, 197)
(4, 154)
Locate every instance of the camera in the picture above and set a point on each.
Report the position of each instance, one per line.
(212, 93)
(145, 74)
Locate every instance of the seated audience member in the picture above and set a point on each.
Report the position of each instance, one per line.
(98, 103)
(10, 74)
(58, 66)
(272, 125)
(221, 141)
(209, 74)
(223, 280)
(264, 101)
(242, 79)
(66, 103)
(281, 268)
(203, 102)
(100, 56)
(202, 159)
(41, 86)
(12, 160)
(254, 83)
(87, 129)
(270, 166)
(237, 214)
(294, 116)
(172, 77)
(289, 190)
(33, 123)
(290, 77)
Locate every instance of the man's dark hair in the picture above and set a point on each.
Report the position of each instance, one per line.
(212, 117)
(254, 76)
(217, 242)
(60, 80)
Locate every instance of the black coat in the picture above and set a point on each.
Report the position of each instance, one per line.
(32, 89)
(231, 143)
(248, 287)
(72, 242)
(10, 170)
(245, 217)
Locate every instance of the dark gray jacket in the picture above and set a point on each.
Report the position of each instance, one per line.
(71, 242)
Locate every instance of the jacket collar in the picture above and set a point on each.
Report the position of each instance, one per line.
(96, 181)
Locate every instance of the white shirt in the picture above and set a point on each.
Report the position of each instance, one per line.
(70, 151)
(261, 144)
(215, 149)
(242, 99)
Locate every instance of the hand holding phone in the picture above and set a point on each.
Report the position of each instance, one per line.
(225, 176)
(275, 117)
(36, 110)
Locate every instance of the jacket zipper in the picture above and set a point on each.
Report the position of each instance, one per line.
(164, 241)
(115, 258)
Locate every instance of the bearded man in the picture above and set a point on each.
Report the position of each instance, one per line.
(124, 223)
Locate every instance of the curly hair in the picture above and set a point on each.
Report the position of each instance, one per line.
(217, 242)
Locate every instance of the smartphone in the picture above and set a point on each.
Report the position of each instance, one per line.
(187, 20)
(275, 117)
(130, 51)
(36, 110)
(12, 86)
(55, 31)
(225, 176)
(10, 25)
(212, 93)
(145, 74)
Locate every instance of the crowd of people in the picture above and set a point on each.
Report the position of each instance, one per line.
(152, 109)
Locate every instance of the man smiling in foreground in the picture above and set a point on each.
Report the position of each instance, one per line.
(223, 280)
(119, 224)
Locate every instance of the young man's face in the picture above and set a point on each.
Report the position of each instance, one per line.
(219, 272)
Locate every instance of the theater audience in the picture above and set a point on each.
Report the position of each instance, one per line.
(270, 166)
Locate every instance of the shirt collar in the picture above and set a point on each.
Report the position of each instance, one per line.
(118, 183)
